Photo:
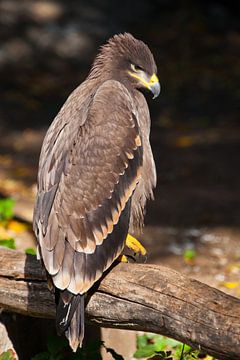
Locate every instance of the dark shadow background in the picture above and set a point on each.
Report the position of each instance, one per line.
(47, 48)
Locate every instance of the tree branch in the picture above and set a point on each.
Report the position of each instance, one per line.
(132, 296)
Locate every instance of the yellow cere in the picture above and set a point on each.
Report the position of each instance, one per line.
(153, 80)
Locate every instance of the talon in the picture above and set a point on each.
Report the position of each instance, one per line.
(135, 245)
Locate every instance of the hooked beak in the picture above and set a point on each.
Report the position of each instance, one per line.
(151, 83)
(154, 86)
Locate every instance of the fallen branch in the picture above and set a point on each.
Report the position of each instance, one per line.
(132, 296)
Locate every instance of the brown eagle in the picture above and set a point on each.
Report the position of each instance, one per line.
(96, 171)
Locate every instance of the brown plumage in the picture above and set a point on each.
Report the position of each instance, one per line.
(96, 172)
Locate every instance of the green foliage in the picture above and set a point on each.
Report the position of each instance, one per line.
(149, 347)
(162, 355)
(6, 223)
(6, 213)
(7, 355)
(151, 344)
(9, 243)
(157, 347)
(185, 352)
(30, 251)
(189, 255)
(6, 209)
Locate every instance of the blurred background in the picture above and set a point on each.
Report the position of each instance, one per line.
(47, 48)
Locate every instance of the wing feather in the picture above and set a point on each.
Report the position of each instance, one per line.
(63, 277)
(85, 183)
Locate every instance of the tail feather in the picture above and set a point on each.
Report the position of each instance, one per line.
(70, 318)
(75, 332)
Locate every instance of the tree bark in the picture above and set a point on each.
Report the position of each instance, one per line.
(132, 296)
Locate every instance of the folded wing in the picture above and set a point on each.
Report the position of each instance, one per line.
(88, 172)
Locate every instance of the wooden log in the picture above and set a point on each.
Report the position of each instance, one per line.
(133, 296)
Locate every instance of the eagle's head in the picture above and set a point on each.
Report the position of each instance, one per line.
(129, 61)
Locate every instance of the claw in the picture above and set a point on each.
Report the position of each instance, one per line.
(135, 245)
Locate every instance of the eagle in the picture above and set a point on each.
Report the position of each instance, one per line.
(96, 171)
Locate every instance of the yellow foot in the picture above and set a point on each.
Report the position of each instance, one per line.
(135, 245)
(123, 258)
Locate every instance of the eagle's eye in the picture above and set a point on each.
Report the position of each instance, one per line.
(136, 68)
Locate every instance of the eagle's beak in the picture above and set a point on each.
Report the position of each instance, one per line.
(151, 83)
(154, 85)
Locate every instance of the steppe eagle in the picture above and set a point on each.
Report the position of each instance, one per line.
(96, 171)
